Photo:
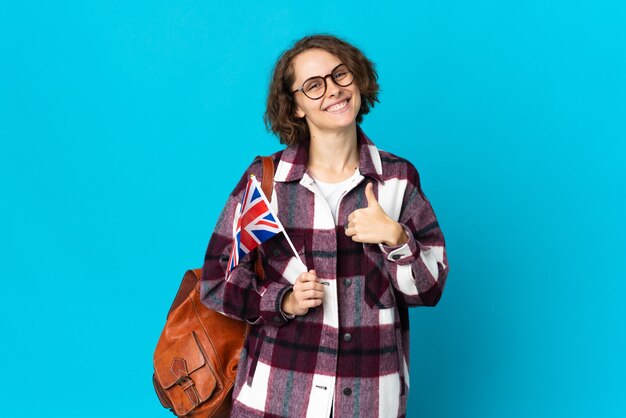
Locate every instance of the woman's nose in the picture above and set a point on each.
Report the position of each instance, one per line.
(332, 88)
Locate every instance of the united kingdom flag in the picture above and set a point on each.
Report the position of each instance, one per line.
(254, 223)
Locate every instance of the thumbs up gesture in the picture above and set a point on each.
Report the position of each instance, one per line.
(372, 225)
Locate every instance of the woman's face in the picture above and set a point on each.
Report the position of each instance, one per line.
(322, 115)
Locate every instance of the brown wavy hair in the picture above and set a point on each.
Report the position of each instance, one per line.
(280, 109)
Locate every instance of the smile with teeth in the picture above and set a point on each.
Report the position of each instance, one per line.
(337, 107)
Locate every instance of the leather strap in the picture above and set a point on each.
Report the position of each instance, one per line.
(179, 370)
(267, 182)
(267, 185)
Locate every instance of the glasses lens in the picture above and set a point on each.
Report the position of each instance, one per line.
(314, 88)
(343, 76)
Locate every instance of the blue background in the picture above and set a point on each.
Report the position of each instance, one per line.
(125, 124)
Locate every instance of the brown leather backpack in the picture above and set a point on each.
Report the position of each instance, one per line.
(196, 357)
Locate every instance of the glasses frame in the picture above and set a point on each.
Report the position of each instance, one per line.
(325, 84)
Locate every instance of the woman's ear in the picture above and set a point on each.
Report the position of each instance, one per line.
(299, 113)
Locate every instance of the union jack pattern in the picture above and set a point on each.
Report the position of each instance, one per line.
(254, 223)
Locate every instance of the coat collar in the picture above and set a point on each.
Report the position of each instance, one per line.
(292, 164)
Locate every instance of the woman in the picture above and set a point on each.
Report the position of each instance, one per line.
(333, 340)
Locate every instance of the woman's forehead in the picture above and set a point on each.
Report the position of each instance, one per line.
(314, 62)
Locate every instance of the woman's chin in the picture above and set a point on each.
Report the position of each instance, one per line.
(342, 119)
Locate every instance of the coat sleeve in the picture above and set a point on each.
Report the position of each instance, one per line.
(419, 268)
(243, 296)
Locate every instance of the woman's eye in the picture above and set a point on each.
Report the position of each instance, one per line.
(313, 86)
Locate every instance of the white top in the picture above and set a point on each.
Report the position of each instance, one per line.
(333, 192)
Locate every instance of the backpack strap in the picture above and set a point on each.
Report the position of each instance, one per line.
(267, 182)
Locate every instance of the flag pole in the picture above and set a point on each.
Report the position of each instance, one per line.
(294, 250)
(284, 231)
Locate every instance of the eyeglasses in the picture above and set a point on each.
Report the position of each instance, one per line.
(315, 87)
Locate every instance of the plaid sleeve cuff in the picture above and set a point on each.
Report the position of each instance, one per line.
(401, 254)
(271, 304)
(280, 304)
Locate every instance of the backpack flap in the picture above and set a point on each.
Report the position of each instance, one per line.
(184, 374)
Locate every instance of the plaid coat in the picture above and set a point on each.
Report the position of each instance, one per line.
(352, 352)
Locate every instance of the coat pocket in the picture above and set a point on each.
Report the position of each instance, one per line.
(379, 292)
(277, 248)
(279, 259)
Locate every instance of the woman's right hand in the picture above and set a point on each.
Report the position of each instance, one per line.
(307, 293)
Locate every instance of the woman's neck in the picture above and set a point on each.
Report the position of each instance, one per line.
(333, 157)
